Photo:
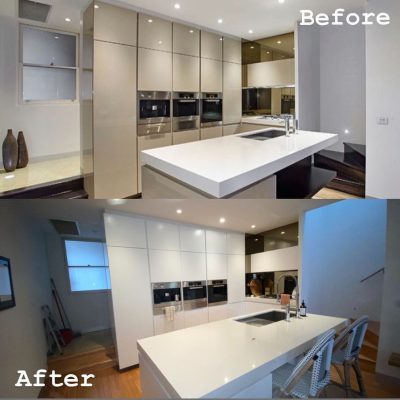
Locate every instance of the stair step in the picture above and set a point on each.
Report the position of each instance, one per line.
(372, 338)
(347, 186)
(367, 364)
(359, 149)
(394, 360)
(369, 351)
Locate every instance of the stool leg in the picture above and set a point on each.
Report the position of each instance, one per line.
(339, 373)
(360, 378)
(347, 378)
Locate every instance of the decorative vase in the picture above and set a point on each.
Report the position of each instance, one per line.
(10, 152)
(23, 155)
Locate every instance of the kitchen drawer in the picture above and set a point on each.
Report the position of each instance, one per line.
(186, 137)
(211, 133)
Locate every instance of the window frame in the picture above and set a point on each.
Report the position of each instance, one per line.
(21, 66)
(82, 292)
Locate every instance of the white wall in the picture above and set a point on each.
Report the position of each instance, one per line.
(88, 312)
(389, 340)
(342, 244)
(383, 99)
(331, 81)
(22, 337)
(49, 129)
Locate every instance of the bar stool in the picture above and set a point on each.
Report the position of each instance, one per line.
(346, 352)
(311, 375)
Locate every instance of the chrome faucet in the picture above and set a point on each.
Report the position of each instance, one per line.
(288, 119)
(297, 292)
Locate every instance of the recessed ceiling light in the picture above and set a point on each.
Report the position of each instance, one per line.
(56, 37)
(281, 1)
(253, 227)
(222, 220)
(279, 42)
(283, 233)
(179, 211)
(177, 6)
(160, 42)
(251, 31)
(256, 240)
(252, 47)
(220, 20)
(150, 21)
(68, 19)
(96, 6)
(268, 52)
(346, 131)
(221, 39)
(191, 31)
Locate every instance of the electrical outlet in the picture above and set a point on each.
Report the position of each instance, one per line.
(382, 121)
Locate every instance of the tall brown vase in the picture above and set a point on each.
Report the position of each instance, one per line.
(23, 155)
(10, 152)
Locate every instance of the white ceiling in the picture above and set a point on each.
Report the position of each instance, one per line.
(240, 214)
(264, 17)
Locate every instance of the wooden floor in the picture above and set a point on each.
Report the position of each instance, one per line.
(329, 194)
(111, 383)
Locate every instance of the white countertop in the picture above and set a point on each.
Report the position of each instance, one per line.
(217, 357)
(223, 166)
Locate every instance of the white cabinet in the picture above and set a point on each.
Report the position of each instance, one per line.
(217, 313)
(131, 299)
(276, 260)
(211, 76)
(194, 267)
(165, 266)
(186, 40)
(235, 243)
(114, 118)
(211, 46)
(232, 51)
(154, 70)
(236, 309)
(216, 242)
(155, 33)
(124, 231)
(217, 267)
(192, 239)
(186, 73)
(196, 317)
(183, 137)
(253, 307)
(162, 325)
(162, 235)
(232, 89)
(236, 278)
(211, 133)
(115, 24)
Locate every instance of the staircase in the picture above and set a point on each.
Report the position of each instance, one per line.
(350, 167)
(369, 351)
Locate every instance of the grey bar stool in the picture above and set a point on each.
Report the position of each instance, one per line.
(311, 375)
(346, 352)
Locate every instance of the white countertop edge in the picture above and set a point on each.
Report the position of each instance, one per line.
(237, 183)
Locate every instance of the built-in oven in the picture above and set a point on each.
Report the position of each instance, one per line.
(217, 292)
(166, 295)
(194, 295)
(154, 113)
(186, 112)
(211, 109)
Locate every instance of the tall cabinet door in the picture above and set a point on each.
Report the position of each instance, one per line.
(154, 70)
(211, 76)
(186, 73)
(132, 304)
(115, 147)
(232, 105)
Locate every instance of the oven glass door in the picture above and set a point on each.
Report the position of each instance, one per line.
(217, 293)
(194, 293)
(212, 111)
(166, 295)
(186, 108)
(155, 109)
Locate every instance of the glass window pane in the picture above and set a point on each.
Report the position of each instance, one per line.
(48, 84)
(5, 284)
(42, 47)
(88, 279)
(85, 254)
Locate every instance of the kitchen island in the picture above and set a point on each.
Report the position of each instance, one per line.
(225, 359)
(237, 167)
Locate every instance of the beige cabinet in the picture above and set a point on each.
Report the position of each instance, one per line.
(148, 143)
(186, 73)
(115, 24)
(211, 46)
(154, 70)
(155, 33)
(115, 151)
(274, 73)
(211, 133)
(211, 76)
(186, 40)
(232, 105)
(232, 129)
(186, 137)
(232, 51)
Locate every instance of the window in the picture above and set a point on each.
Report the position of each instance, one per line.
(87, 264)
(49, 65)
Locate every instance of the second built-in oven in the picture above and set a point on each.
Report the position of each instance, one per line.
(217, 292)
(211, 109)
(154, 113)
(194, 295)
(186, 111)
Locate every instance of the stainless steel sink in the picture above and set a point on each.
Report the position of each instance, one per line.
(264, 319)
(265, 135)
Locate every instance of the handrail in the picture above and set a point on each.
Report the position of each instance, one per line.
(372, 275)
